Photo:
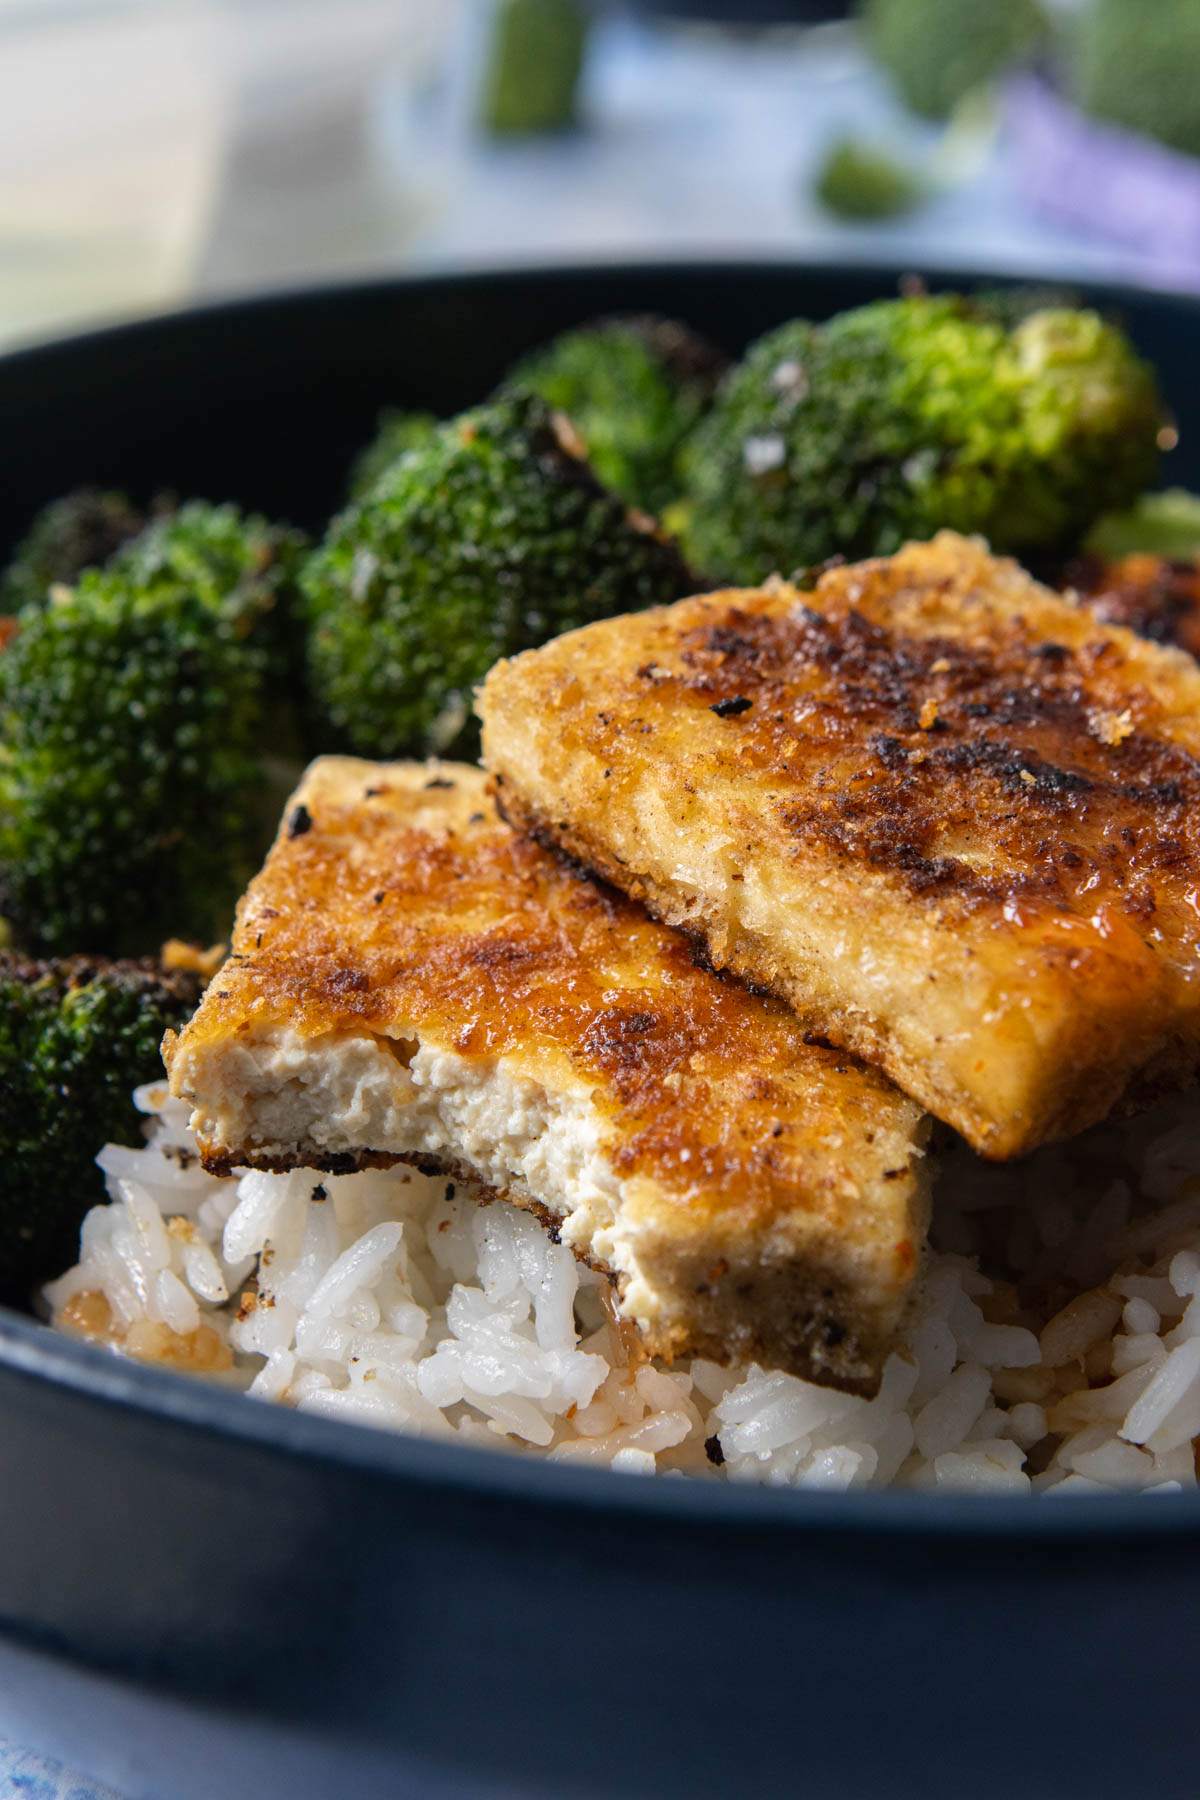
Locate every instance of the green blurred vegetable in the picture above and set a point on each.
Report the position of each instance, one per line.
(937, 51)
(1011, 306)
(1166, 524)
(79, 531)
(534, 64)
(395, 433)
(1138, 65)
(858, 181)
(489, 539)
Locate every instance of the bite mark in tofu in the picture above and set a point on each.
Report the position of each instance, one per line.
(412, 981)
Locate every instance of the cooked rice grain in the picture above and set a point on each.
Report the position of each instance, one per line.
(390, 1297)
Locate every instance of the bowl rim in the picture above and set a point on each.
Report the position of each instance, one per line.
(38, 1357)
(484, 272)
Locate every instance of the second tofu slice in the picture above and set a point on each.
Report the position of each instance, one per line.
(412, 981)
(953, 819)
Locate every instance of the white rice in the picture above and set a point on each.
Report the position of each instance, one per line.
(1072, 1366)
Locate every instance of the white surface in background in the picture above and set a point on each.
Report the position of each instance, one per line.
(701, 140)
(110, 131)
(121, 127)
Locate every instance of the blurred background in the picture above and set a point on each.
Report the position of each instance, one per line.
(156, 150)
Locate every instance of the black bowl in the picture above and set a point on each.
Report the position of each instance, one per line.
(197, 1590)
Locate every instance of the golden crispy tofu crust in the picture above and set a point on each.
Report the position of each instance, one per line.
(765, 1197)
(948, 815)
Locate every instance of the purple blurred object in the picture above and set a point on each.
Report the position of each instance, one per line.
(1106, 180)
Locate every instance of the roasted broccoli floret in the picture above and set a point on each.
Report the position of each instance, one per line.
(1136, 66)
(132, 711)
(76, 1037)
(905, 416)
(80, 531)
(395, 433)
(937, 51)
(633, 388)
(491, 539)
(534, 63)
(858, 181)
(1010, 306)
(233, 562)
(1166, 524)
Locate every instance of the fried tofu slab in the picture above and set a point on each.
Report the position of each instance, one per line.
(411, 981)
(1156, 596)
(949, 816)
